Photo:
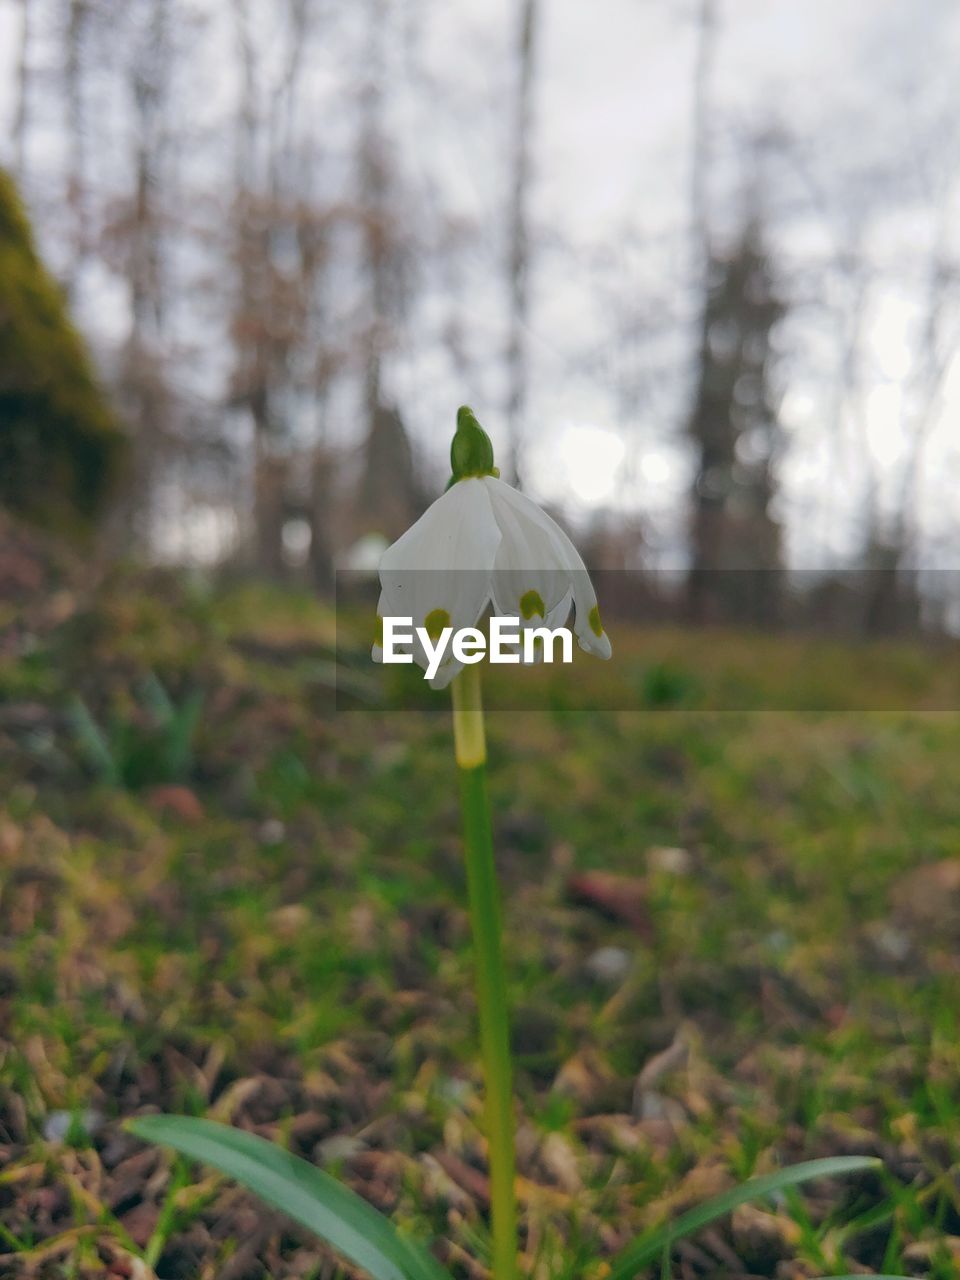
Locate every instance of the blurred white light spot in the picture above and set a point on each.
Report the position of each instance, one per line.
(590, 458)
(883, 423)
(796, 409)
(190, 531)
(364, 556)
(889, 336)
(655, 468)
(297, 536)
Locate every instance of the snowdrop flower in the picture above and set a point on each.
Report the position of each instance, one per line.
(483, 542)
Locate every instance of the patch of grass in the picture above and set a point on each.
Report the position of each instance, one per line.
(292, 948)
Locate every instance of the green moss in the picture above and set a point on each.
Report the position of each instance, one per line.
(60, 443)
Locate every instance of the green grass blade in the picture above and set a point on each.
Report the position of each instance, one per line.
(650, 1246)
(179, 734)
(155, 698)
(93, 742)
(314, 1199)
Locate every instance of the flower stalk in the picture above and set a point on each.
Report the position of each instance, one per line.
(470, 747)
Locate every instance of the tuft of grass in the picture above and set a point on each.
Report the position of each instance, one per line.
(153, 744)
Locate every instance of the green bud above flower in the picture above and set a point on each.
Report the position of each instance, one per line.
(471, 453)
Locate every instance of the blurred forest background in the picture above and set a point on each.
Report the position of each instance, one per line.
(694, 264)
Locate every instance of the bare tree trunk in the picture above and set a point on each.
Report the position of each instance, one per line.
(21, 116)
(388, 494)
(735, 540)
(372, 180)
(893, 603)
(322, 489)
(707, 25)
(144, 385)
(519, 247)
(272, 302)
(77, 12)
(933, 366)
(707, 509)
(271, 482)
(249, 321)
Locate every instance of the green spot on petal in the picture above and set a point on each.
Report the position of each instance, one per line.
(596, 626)
(531, 602)
(435, 621)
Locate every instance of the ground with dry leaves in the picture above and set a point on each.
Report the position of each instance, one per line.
(732, 943)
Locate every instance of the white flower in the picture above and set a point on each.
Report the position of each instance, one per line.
(483, 542)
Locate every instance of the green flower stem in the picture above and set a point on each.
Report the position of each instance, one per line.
(491, 984)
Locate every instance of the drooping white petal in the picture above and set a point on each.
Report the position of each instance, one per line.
(534, 547)
(588, 627)
(439, 571)
(529, 575)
